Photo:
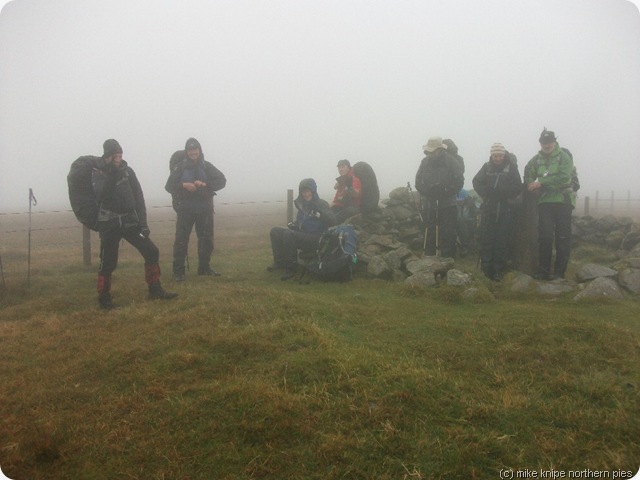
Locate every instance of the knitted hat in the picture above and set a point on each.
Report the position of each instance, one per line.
(344, 162)
(111, 147)
(498, 148)
(547, 136)
(433, 144)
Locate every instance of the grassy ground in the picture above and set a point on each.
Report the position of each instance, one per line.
(245, 376)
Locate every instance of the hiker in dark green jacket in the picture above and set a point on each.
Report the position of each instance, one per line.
(548, 176)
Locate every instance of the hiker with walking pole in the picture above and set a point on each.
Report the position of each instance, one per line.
(438, 180)
(498, 183)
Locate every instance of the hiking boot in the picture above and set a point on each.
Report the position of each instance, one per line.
(274, 267)
(208, 271)
(156, 292)
(542, 276)
(178, 277)
(288, 275)
(106, 301)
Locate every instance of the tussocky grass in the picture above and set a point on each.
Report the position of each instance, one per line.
(244, 376)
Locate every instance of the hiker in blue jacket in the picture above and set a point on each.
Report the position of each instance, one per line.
(313, 218)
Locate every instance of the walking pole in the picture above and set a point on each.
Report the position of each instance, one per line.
(437, 226)
(32, 202)
(419, 208)
(2, 273)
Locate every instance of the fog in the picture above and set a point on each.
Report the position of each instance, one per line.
(280, 90)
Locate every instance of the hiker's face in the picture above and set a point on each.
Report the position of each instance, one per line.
(193, 154)
(547, 147)
(343, 170)
(497, 158)
(115, 159)
(307, 195)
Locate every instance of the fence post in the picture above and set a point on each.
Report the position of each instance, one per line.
(612, 208)
(86, 245)
(597, 200)
(289, 205)
(586, 206)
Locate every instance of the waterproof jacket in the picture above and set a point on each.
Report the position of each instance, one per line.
(554, 172)
(187, 171)
(439, 179)
(314, 216)
(348, 191)
(497, 184)
(119, 194)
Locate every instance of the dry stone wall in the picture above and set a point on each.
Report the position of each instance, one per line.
(390, 246)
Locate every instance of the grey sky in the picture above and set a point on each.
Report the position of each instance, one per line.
(281, 90)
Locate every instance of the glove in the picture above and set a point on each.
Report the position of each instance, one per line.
(145, 232)
(315, 213)
(293, 226)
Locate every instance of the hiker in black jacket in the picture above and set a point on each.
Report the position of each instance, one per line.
(498, 183)
(439, 179)
(192, 184)
(122, 215)
(313, 218)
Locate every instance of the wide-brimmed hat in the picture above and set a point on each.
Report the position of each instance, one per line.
(433, 144)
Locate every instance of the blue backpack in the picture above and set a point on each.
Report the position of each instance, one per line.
(336, 255)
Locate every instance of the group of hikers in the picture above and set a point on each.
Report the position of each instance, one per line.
(106, 196)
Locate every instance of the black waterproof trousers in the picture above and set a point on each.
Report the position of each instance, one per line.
(441, 225)
(495, 225)
(554, 223)
(203, 221)
(110, 237)
(285, 244)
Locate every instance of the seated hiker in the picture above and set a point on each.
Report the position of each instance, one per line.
(346, 202)
(313, 218)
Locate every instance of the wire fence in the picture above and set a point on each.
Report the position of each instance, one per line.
(608, 203)
(44, 239)
(55, 237)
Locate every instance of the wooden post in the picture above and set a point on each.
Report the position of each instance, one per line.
(612, 207)
(586, 206)
(526, 241)
(289, 205)
(86, 245)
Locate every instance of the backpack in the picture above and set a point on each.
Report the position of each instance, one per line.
(336, 255)
(575, 182)
(453, 149)
(177, 158)
(370, 195)
(81, 190)
(438, 179)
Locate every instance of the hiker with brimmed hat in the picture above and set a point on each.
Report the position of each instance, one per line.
(439, 179)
